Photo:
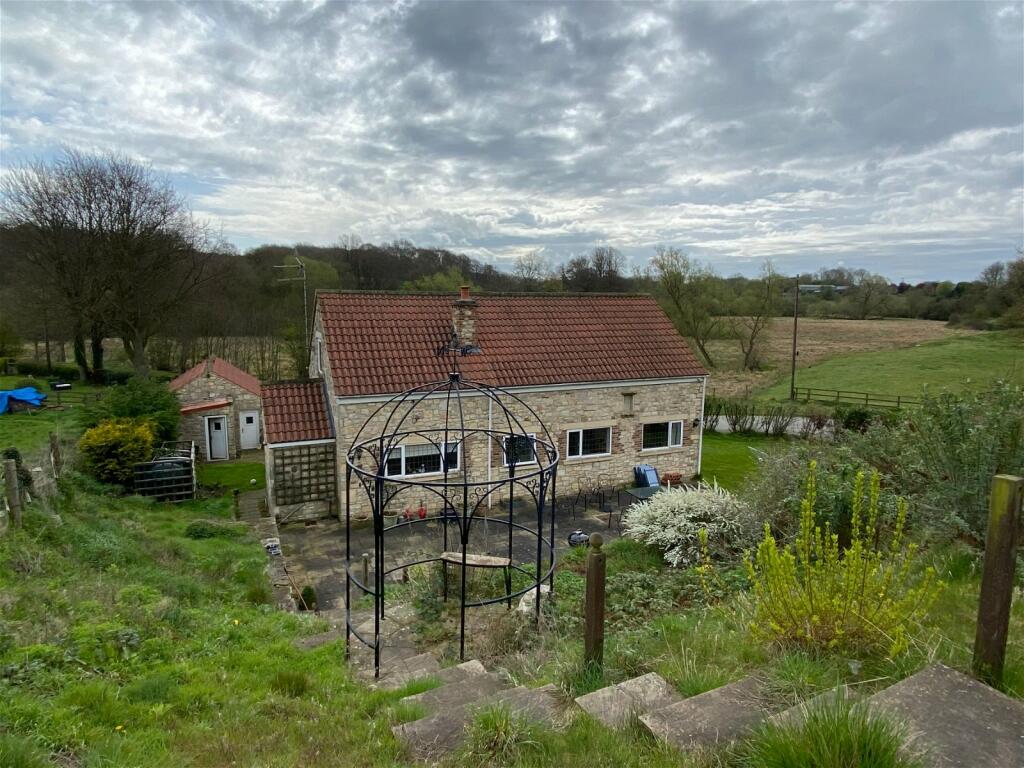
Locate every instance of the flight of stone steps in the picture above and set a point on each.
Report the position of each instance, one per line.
(957, 721)
(464, 690)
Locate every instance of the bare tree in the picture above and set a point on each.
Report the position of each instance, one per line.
(52, 212)
(690, 291)
(532, 269)
(116, 241)
(994, 275)
(754, 312)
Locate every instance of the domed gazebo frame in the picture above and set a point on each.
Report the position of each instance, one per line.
(462, 498)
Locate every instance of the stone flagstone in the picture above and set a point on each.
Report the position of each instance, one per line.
(795, 716)
(960, 722)
(722, 714)
(615, 705)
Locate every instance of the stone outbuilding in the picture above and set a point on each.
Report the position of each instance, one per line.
(299, 453)
(221, 410)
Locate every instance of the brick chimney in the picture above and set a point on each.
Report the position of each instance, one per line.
(464, 318)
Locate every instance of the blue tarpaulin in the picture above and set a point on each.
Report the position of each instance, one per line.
(29, 395)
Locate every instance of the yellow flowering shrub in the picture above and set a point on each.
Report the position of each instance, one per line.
(110, 449)
(858, 599)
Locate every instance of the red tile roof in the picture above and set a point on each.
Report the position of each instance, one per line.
(381, 343)
(223, 369)
(204, 405)
(294, 412)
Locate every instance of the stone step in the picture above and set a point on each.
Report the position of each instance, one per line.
(436, 735)
(961, 722)
(722, 714)
(538, 705)
(460, 693)
(616, 705)
(398, 672)
(460, 672)
(794, 716)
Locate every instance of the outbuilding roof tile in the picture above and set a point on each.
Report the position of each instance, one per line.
(295, 411)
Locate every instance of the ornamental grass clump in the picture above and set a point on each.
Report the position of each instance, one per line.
(672, 521)
(861, 598)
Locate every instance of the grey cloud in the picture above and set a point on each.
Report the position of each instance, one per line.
(887, 135)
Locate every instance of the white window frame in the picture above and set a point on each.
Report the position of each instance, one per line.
(669, 423)
(532, 436)
(580, 430)
(319, 343)
(401, 450)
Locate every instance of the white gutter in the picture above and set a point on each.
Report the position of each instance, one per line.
(295, 443)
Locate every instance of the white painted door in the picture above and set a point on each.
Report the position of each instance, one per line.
(217, 437)
(249, 429)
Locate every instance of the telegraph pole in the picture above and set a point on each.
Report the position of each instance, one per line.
(301, 278)
(792, 368)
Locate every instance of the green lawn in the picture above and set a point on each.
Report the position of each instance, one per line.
(954, 363)
(231, 475)
(728, 458)
(28, 432)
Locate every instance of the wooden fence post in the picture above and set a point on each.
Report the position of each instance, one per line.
(997, 578)
(56, 460)
(13, 491)
(593, 638)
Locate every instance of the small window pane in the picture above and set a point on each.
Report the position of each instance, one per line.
(521, 449)
(677, 433)
(574, 443)
(595, 441)
(422, 459)
(393, 466)
(452, 457)
(655, 436)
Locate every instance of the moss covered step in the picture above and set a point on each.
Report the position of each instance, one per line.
(616, 705)
(960, 722)
(719, 715)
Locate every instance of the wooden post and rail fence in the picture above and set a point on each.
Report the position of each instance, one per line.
(852, 397)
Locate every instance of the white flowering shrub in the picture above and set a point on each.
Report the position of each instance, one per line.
(673, 519)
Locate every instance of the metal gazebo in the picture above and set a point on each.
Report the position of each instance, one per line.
(458, 436)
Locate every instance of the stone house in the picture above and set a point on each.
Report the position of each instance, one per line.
(220, 409)
(608, 375)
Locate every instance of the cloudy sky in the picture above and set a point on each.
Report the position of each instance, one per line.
(886, 136)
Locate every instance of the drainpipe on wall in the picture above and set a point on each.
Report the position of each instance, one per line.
(490, 426)
(700, 442)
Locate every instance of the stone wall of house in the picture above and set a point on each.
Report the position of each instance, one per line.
(622, 408)
(193, 425)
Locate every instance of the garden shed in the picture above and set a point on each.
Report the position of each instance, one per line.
(299, 453)
(221, 411)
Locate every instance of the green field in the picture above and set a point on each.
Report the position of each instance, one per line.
(956, 363)
(28, 432)
(728, 458)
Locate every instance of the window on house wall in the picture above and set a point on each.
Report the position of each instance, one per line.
(520, 448)
(589, 442)
(627, 403)
(422, 459)
(663, 434)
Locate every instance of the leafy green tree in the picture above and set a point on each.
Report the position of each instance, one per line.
(691, 293)
(448, 281)
(141, 399)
